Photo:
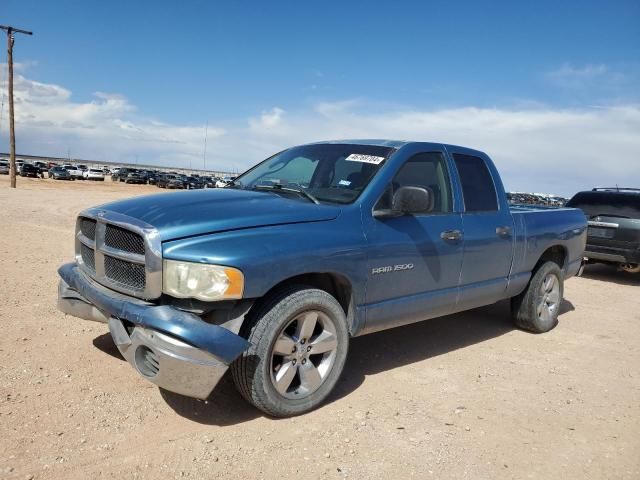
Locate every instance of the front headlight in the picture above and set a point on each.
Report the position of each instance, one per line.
(201, 281)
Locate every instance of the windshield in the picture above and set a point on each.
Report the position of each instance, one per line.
(615, 204)
(335, 173)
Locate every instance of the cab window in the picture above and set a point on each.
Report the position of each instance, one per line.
(478, 191)
(427, 170)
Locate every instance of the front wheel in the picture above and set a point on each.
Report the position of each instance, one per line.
(537, 308)
(299, 343)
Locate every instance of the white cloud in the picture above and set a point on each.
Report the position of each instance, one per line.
(570, 72)
(269, 119)
(50, 122)
(595, 80)
(542, 149)
(537, 148)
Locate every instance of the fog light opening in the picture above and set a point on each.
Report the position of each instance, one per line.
(147, 362)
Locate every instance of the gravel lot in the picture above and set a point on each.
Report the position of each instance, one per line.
(464, 396)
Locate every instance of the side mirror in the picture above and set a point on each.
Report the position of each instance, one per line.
(410, 200)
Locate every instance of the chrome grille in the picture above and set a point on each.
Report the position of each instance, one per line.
(122, 239)
(127, 274)
(88, 228)
(120, 252)
(88, 257)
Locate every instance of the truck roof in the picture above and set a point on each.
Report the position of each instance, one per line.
(381, 142)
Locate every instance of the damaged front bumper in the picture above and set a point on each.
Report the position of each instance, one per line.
(174, 349)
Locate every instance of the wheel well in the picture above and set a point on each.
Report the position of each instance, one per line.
(333, 283)
(556, 254)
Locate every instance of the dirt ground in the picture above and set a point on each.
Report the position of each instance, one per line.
(464, 396)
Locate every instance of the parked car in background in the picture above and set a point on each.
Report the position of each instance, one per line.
(148, 174)
(75, 172)
(59, 173)
(83, 167)
(555, 201)
(4, 167)
(224, 181)
(123, 174)
(114, 173)
(164, 179)
(519, 198)
(152, 178)
(41, 166)
(273, 279)
(178, 182)
(613, 235)
(134, 177)
(208, 181)
(29, 170)
(93, 174)
(194, 183)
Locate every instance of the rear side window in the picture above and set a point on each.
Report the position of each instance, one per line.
(610, 204)
(477, 185)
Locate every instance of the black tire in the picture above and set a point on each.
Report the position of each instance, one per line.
(253, 371)
(526, 307)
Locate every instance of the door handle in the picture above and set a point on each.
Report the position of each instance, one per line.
(503, 231)
(451, 235)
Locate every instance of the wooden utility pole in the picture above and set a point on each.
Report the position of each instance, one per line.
(12, 133)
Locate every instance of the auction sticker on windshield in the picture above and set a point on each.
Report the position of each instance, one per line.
(356, 157)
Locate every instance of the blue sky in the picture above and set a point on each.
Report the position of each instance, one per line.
(266, 75)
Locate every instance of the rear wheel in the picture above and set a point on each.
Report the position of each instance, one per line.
(537, 308)
(299, 342)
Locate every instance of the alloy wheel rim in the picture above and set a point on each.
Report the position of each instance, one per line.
(549, 298)
(303, 354)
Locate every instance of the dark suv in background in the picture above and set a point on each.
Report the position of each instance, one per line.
(28, 170)
(122, 174)
(613, 235)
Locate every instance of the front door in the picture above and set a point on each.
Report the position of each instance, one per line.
(415, 260)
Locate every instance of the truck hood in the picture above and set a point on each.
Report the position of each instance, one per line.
(185, 214)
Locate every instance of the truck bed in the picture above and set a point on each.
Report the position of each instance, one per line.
(539, 227)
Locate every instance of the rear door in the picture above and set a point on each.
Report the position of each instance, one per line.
(488, 231)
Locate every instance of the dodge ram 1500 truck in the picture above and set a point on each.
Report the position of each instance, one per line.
(273, 274)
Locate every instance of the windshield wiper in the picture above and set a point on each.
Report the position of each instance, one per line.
(280, 188)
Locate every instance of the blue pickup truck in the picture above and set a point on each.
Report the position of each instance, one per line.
(273, 274)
